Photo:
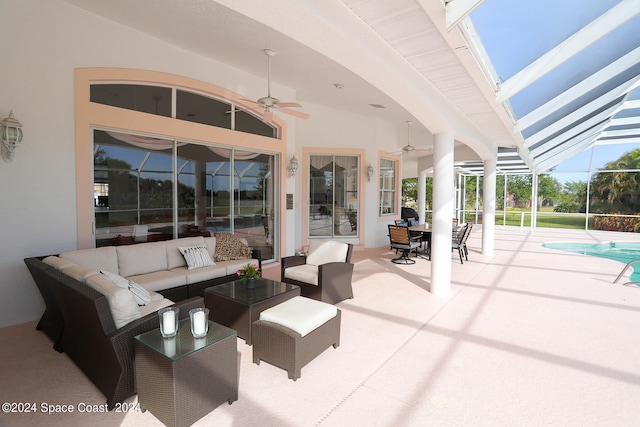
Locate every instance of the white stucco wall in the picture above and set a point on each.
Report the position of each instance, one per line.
(44, 41)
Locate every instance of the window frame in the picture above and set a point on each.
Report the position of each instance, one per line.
(384, 190)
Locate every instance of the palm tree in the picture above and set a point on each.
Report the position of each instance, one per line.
(618, 191)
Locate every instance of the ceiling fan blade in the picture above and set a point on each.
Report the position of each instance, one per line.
(289, 104)
(295, 113)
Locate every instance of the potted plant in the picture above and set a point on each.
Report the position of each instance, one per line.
(249, 273)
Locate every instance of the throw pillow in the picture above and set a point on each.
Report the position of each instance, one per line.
(229, 247)
(140, 294)
(196, 256)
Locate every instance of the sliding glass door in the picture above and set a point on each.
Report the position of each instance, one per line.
(333, 195)
(145, 192)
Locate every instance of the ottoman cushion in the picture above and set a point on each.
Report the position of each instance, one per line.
(300, 314)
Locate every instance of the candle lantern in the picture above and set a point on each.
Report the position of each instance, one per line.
(168, 318)
(199, 322)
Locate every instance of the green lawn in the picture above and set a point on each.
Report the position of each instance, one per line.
(544, 220)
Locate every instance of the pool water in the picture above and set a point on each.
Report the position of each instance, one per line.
(623, 252)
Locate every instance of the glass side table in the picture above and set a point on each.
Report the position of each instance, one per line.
(237, 306)
(181, 379)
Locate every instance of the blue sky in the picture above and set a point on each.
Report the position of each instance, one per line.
(516, 33)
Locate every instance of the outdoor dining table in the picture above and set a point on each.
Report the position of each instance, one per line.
(425, 234)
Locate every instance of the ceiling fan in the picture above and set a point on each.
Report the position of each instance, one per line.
(407, 148)
(410, 148)
(269, 104)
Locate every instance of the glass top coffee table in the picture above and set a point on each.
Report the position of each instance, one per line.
(237, 305)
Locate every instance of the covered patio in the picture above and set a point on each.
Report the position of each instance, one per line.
(529, 336)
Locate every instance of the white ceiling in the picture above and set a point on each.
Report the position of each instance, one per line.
(441, 58)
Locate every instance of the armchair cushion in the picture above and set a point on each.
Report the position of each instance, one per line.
(325, 251)
(307, 273)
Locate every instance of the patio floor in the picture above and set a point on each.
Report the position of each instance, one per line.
(529, 337)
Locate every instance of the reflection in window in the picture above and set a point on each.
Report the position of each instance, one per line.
(201, 109)
(333, 195)
(148, 99)
(137, 174)
(387, 205)
(190, 106)
(134, 191)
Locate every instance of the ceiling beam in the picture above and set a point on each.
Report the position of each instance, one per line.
(631, 104)
(457, 10)
(617, 141)
(564, 152)
(621, 133)
(607, 22)
(576, 130)
(625, 121)
(577, 115)
(573, 93)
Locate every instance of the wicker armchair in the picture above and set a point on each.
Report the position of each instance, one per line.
(324, 274)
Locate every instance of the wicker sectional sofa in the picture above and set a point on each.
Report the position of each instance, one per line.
(94, 324)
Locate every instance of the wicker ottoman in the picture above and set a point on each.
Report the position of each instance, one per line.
(291, 334)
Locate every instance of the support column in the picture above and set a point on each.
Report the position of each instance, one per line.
(443, 203)
(535, 182)
(422, 196)
(489, 206)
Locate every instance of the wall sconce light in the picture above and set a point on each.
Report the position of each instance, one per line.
(10, 134)
(369, 172)
(293, 166)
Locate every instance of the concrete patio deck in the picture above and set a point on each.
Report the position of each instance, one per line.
(528, 337)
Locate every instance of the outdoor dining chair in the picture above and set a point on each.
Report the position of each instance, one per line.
(401, 240)
(460, 242)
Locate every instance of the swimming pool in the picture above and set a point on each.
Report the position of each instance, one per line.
(623, 252)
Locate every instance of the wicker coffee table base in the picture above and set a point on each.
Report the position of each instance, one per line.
(179, 393)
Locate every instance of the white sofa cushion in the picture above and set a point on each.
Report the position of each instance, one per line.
(140, 294)
(306, 273)
(300, 314)
(205, 273)
(324, 251)
(81, 274)
(232, 266)
(174, 258)
(105, 258)
(196, 256)
(57, 262)
(155, 305)
(161, 280)
(123, 306)
(141, 258)
(211, 245)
